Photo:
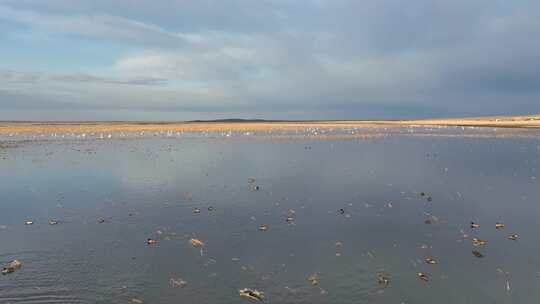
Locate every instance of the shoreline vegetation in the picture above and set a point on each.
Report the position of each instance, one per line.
(34, 127)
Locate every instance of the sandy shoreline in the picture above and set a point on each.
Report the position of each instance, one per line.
(532, 121)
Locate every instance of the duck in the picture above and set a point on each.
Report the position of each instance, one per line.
(313, 279)
(430, 260)
(499, 226)
(151, 241)
(477, 254)
(29, 222)
(263, 227)
(196, 243)
(383, 279)
(53, 222)
(513, 237)
(251, 294)
(478, 242)
(422, 276)
(474, 225)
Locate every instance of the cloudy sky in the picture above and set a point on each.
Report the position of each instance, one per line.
(282, 59)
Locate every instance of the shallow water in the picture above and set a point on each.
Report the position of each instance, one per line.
(148, 188)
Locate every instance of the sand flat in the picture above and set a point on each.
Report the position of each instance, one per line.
(532, 121)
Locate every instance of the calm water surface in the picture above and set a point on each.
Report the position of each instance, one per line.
(149, 189)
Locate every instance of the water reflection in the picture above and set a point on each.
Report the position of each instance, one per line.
(358, 212)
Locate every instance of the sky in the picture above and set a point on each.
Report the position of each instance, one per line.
(282, 59)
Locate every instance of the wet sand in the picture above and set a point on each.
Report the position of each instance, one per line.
(532, 121)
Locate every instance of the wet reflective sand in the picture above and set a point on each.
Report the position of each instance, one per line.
(341, 209)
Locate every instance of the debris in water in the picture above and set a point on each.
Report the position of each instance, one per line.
(430, 261)
(477, 254)
(177, 283)
(513, 237)
(474, 225)
(137, 301)
(422, 276)
(429, 198)
(499, 226)
(151, 241)
(28, 222)
(251, 294)
(196, 243)
(478, 242)
(313, 279)
(53, 222)
(263, 227)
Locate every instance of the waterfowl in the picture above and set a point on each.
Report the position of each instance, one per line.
(475, 225)
(430, 261)
(499, 226)
(342, 211)
(151, 241)
(210, 208)
(313, 279)
(100, 220)
(196, 210)
(11, 267)
(251, 294)
(196, 243)
(28, 222)
(422, 276)
(7, 270)
(478, 242)
(477, 254)
(513, 237)
(383, 279)
(53, 222)
(263, 227)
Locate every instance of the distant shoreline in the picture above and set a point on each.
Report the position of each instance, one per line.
(37, 127)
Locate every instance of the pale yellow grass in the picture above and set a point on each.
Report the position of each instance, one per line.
(532, 121)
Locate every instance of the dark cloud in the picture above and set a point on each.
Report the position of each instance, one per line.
(377, 58)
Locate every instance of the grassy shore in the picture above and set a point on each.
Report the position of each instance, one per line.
(532, 121)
